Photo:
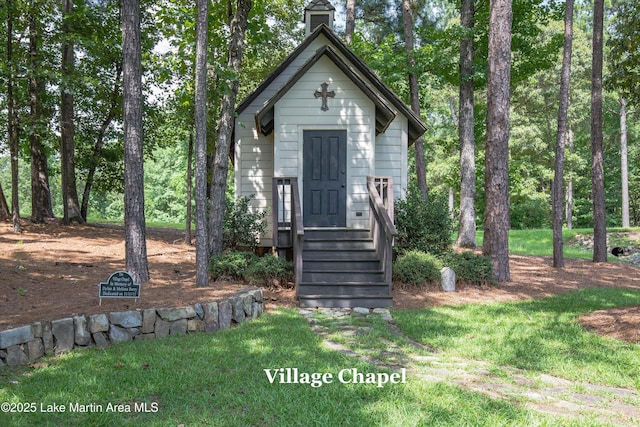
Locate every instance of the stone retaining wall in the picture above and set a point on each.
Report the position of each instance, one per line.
(25, 344)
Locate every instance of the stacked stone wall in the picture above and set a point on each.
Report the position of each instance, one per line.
(28, 343)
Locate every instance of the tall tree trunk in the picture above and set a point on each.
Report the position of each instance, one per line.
(4, 207)
(624, 165)
(70, 201)
(569, 197)
(202, 232)
(558, 180)
(97, 148)
(225, 129)
(418, 145)
(40, 192)
(187, 231)
(597, 157)
(134, 220)
(12, 124)
(467, 228)
(496, 213)
(350, 22)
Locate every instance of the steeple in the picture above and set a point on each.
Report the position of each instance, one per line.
(318, 12)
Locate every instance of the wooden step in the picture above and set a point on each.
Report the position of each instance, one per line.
(337, 244)
(343, 301)
(344, 288)
(355, 276)
(344, 263)
(339, 255)
(341, 268)
(335, 233)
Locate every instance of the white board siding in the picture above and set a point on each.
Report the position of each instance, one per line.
(259, 158)
(350, 110)
(391, 155)
(254, 167)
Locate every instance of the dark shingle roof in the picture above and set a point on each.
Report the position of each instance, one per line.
(416, 125)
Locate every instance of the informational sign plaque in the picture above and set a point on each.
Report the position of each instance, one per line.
(119, 285)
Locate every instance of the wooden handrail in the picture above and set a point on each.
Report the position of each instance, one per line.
(297, 231)
(379, 209)
(297, 211)
(382, 228)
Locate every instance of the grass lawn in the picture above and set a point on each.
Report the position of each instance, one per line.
(539, 242)
(540, 336)
(218, 379)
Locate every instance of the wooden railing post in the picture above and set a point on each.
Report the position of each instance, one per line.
(381, 221)
(295, 229)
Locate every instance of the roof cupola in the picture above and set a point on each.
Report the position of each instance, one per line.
(318, 12)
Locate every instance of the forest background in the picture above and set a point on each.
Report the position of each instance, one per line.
(273, 30)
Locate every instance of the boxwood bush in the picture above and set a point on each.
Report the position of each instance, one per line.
(269, 270)
(423, 224)
(470, 267)
(417, 268)
(230, 265)
(243, 265)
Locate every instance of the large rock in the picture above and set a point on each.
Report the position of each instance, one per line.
(247, 301)
(173, 314)
(63, 335)
(98, 323)
(199, 310)
(82, 334)
(237, 309)
(126, 319)
(195, 325)
(35, 349)
(256, 309)
(448, 279)
(210, 311)
(179, 327)
(257, 294)
(100, 339)
(36, 329)
(118, 334)
(224, 314)
(162, 328)
(149, 317)
(47, 338)
(15, 336)
(16, 356)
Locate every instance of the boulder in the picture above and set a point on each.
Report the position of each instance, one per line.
(448, 279)
(98, 323)
(15, 336)
(64, 336)
(126, 319)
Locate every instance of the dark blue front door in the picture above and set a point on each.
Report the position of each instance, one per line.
(325, 178)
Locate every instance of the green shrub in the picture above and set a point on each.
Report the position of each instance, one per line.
(417, 268)
(242, 227)
(231, 265)
(532, 212)
(268, 269)
(470, 267)
(423, 225)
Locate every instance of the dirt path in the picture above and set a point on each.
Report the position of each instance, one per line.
(543, 393)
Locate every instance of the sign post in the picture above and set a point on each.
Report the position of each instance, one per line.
(119, 285)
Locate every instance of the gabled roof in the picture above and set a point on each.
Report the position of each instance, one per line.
(384, 113)
(416, 125)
